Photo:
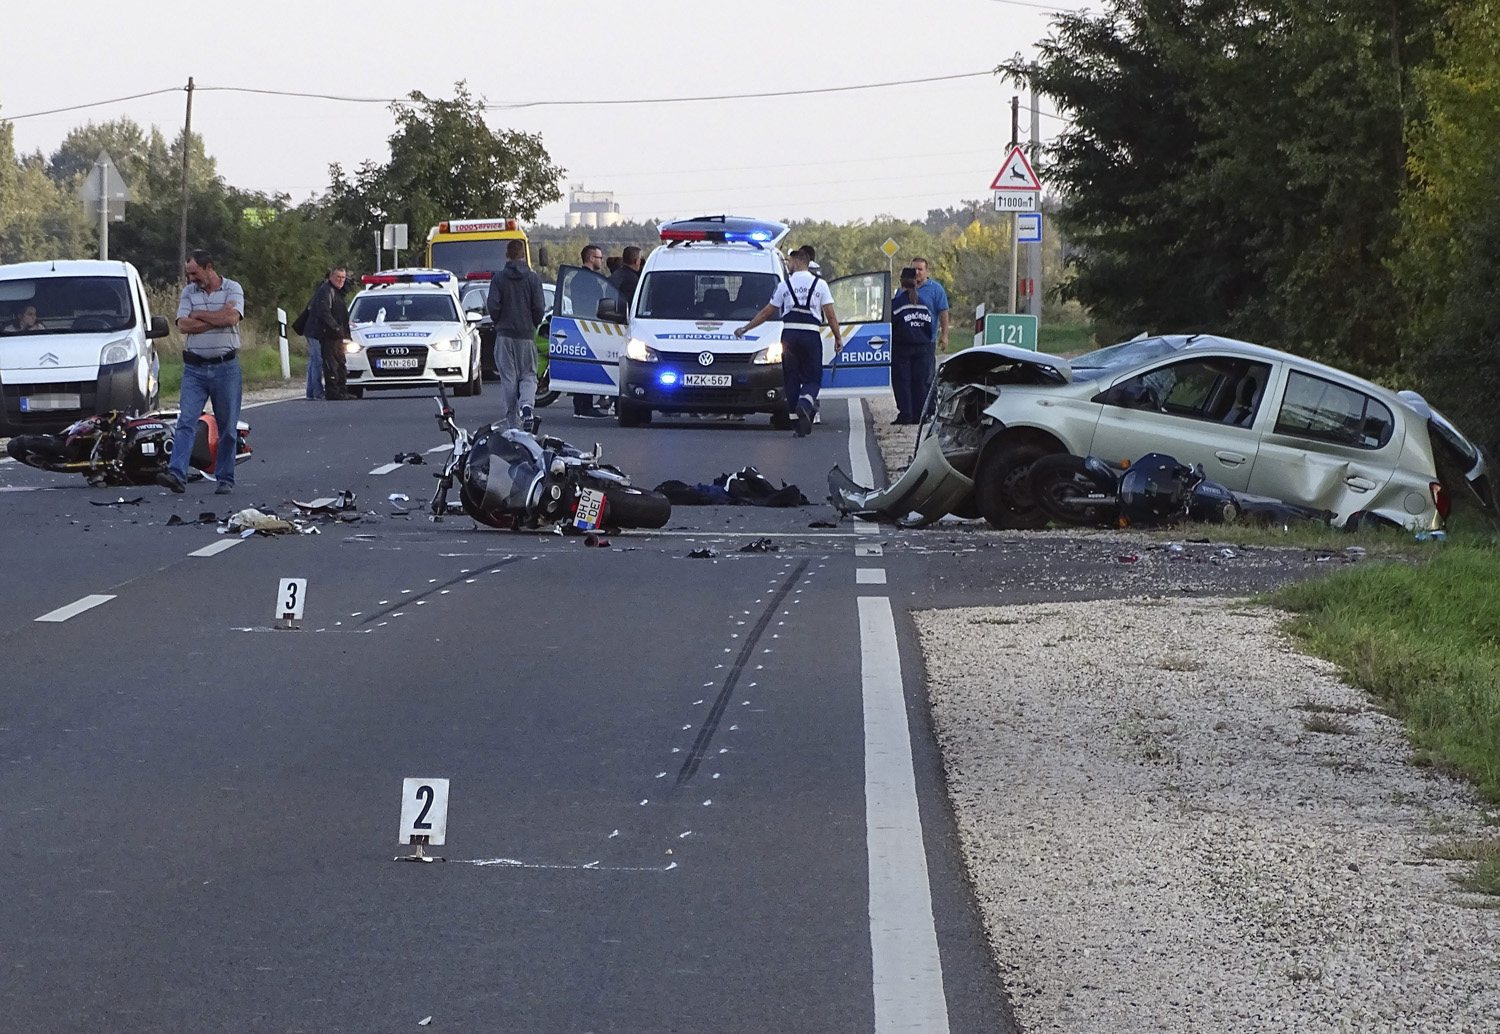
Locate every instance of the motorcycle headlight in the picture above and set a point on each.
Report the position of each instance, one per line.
(770, 354)
(353, 347)
(638, 351)
(121, 351)
(451, 345)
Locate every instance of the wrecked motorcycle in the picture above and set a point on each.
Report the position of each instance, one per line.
(1156, 489)
(512, 479)
(121, 448)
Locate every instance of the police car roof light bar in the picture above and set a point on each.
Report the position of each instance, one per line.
(723, 229)
(479, 274)
(406, 278)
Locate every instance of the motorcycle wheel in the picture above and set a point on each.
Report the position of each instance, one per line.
(1068, 492)
(545, 396)
(628, 507)
(43, 451)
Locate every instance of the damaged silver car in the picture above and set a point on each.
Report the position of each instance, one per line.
(1260, 421)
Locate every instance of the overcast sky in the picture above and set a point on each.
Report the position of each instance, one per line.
(841, 156)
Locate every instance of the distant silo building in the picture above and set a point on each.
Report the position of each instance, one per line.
(593, 208)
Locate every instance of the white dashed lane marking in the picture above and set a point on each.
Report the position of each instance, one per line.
(872, 549)
(869, 576)
(75, 608)
(386, 468)
(215, 548)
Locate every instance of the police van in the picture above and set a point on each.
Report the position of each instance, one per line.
(672, 348)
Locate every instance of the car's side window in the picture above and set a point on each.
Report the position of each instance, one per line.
(1222, 389)
(1315, 408)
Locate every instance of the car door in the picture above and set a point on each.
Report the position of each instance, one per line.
(862, 303)
(1201, 409)
(587, 335)
(1330, 446)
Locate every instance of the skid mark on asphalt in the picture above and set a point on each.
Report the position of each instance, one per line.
(408, 597)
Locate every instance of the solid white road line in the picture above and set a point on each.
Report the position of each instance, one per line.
(869, 576)
(859, 450)
(75, 608)
(386, 468)
(216, 548)
(908, 971)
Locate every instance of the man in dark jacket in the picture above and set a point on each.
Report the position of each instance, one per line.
(628, 276)
(516, 306)
(328, 329)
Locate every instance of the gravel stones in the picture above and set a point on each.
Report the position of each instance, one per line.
(1175, 822)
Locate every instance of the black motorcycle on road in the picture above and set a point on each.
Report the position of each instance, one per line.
(122, 448)
(1156, 489)
(508, 478)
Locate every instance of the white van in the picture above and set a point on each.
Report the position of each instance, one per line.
(76, 340)
(674, 350)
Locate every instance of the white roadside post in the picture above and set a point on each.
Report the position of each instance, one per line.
(979, 324)
(286, 356)
(424, 817)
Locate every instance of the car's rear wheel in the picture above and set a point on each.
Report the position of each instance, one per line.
(632, 414)
(1002, 486)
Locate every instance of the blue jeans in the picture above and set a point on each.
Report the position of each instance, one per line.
(314, 369)
(801, 366)
(219, 384)
(912, 370)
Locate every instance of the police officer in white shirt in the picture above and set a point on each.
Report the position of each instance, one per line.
(803, 302)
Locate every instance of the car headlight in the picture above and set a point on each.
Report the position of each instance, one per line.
(450, 345)
(121, 351)
(770, 354)
(638, 351)
(353, 347)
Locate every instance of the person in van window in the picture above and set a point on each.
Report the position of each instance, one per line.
(26, 322)
(803, 302)
(627, 277)
(913, 360)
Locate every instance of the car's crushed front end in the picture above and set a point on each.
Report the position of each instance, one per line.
(939, 480)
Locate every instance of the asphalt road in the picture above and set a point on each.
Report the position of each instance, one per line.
(686, 794)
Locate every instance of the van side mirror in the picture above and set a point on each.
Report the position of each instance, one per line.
(159, 327)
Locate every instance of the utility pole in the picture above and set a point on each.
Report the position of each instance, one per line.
(187, 146)
(1015, 218)
(1034, 251)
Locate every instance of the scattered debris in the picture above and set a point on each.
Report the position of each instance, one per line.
(1432, 536)
(122, 501)
(207, 517)
(747, 487)
(329, 505)
(415, 459)
(760, 546)
(593, 539)
(400, 497)
(702, 554)
(1227, 554)
(250, 521)
(1128, 558)
(822, 524)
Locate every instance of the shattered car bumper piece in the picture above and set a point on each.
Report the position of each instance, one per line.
(929, 489)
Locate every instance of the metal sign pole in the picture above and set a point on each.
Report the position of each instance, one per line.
(103, 208)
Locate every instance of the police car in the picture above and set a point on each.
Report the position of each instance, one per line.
(672, 349)
(409, 330)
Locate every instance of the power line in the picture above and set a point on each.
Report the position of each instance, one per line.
(742, 96)
(91, 104)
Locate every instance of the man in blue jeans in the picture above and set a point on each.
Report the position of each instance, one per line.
(209, 315)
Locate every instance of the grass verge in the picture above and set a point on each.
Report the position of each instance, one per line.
(260, 360)
(1424, 639)
(1065, 338)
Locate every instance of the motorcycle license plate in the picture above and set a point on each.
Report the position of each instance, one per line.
(398, 364)
(706, 380)
(590, 512)
(47, 403)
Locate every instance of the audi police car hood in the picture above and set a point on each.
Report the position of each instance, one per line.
(40, 355)
(421, 333)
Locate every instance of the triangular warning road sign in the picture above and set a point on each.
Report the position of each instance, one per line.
(1016, 173)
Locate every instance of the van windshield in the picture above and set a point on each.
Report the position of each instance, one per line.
(65, 305)
(686, 294)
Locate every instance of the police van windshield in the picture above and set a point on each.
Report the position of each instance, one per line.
(684, 294)
(65, 304)
(382, 307)
(464, 257)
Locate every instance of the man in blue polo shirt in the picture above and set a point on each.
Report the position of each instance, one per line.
(208, 315)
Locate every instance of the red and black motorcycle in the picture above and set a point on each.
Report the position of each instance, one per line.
(122, 448)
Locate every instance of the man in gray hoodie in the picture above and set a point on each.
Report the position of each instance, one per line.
(516, 306)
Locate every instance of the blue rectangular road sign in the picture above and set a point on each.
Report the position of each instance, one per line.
(1029, 227)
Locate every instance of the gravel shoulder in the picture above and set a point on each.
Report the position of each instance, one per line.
(1174, 821)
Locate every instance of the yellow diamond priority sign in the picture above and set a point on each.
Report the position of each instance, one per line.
(889, 247)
